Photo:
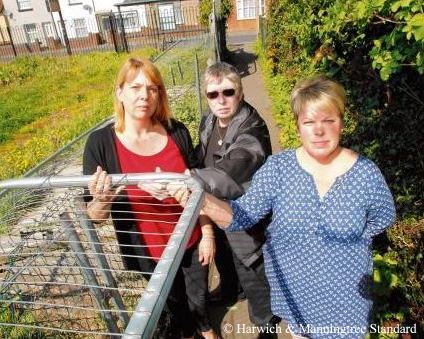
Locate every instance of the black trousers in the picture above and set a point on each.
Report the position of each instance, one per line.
(252, 279)
(187, 299)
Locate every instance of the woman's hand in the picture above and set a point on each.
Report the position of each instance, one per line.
(156, 189)
(207, 246)
(180, 191)
(100, 188)
(207, 249)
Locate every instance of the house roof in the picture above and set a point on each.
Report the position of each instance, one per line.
(137, 2)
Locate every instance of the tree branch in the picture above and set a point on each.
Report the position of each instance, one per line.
(383, 19)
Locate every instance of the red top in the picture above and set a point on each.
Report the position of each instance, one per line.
(157, 218)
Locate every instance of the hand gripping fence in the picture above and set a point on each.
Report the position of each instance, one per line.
(61, 275)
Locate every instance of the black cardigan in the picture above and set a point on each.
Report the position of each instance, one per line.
(100, 150)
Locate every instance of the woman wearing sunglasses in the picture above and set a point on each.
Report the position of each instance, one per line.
(233, 143)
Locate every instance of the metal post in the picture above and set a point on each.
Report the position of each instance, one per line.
(97, 249)
(113, 32)
(198, 86)
(87, 272)
(172, 76)
(65, 34)
(123, 37)
(11, 41)
(215, 33)
(180, 70)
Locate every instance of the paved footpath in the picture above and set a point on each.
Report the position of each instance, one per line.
(243, 57)
(233, 321)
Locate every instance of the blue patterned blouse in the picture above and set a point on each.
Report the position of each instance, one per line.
(317, 253)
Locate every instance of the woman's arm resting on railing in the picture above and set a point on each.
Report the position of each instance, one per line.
(218, 210)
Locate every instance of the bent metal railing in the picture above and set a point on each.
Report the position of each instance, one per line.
(62, 275)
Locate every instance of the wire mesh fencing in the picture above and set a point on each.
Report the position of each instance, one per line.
(61, 275)
(104, 31)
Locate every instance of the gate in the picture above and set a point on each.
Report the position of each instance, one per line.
(62, 275)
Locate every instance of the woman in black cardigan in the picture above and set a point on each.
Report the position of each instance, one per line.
(142, 138)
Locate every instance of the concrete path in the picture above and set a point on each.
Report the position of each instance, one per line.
(233, 322)
(244, 59)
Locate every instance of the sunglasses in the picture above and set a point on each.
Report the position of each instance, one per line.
(226, 92)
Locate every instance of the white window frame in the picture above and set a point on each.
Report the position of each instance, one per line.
(167, 21)
(246, 9)
(80, 27)
(48, 29)
(130, 19)
(178, 13)
(24, 5)
(31, 33)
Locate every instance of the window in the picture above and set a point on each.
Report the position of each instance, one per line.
(31, 33)
(246, 9)
(166, 17)
(130, 19)
(179, 18)
(48, 29)
(80, 28)
(24, 5)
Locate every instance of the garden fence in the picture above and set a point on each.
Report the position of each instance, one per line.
(112, 31)
(63, 276)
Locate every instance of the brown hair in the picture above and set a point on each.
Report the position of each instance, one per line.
(127, 73)
(320, 91)
(220, 71)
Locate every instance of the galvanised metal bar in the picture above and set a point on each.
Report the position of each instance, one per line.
(83, 180)
(144, 320)
(88, 274)
(95, 244)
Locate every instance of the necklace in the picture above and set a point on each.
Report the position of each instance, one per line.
(221, 137)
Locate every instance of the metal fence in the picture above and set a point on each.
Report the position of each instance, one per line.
(125, 31)
(63, 276)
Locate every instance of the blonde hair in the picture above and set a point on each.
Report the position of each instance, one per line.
(318, 91)
(127, 73)
(219, 71)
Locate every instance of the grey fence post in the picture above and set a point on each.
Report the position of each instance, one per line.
(65, 34)
(11, 41)
(198, 86)
(95, 244)
(123, 37)
(87, 272)
(113, 31)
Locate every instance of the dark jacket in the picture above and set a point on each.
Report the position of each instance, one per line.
(245, 147)
(100, 150)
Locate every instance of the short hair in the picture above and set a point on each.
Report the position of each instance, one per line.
(127, 73)
(320, 91)
(219, 71)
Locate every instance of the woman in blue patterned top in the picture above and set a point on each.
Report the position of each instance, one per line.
(327, 203)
